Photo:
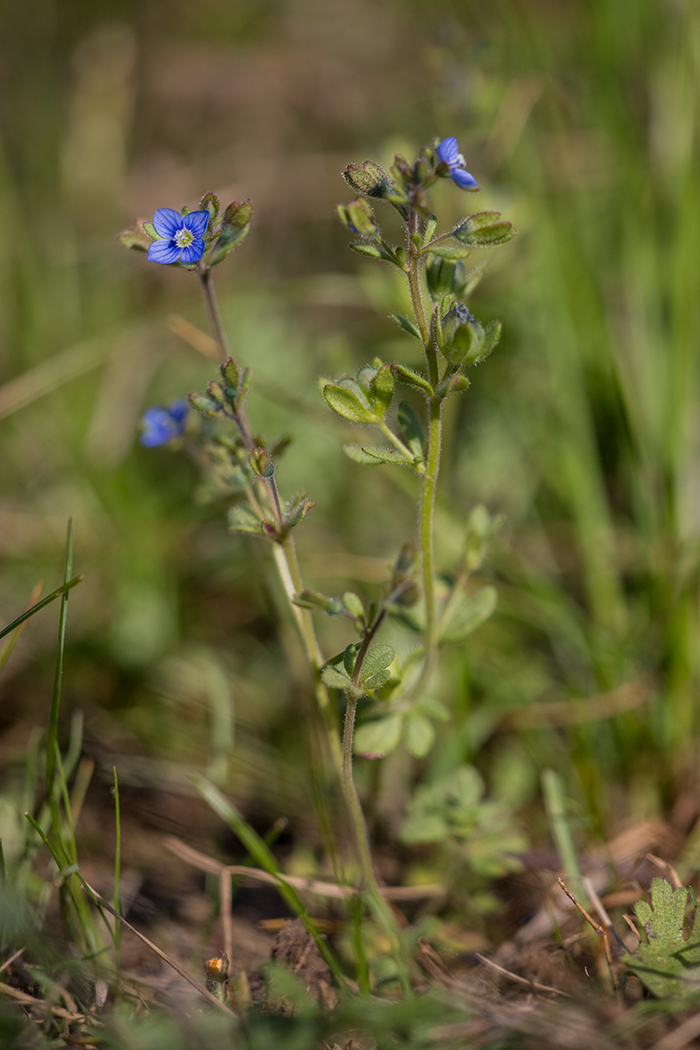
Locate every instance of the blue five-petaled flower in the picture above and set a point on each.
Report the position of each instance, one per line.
(182, 236)
(448, 153)
(161, 425)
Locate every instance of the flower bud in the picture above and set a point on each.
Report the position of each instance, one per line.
(358, 217)
(368, 178)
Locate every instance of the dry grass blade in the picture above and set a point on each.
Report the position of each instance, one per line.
(321, 889)
(533, 985)
(160, 953)
(30, 1000)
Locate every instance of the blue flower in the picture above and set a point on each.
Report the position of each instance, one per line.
(181, 236)
(448, 153)
(161, 425)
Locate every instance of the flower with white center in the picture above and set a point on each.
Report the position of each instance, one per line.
(448, 153)
(181, 237)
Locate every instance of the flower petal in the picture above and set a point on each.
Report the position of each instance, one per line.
(448, 150)
(164, 251)
(196, 222)
(157, 427)
(193, 252)
(167, 222)
(462, 177)
(178, 411)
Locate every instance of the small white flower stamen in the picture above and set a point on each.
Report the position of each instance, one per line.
(183, 237)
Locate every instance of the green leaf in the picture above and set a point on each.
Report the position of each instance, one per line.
(484, 230)
(408, 326)
(335, 678)
(371, 250)
(151, 231)
(376, 660)
(353, 604)
(430, 228)
(358, 455)
(379, 737)
(381, 391)
(420, 734)
(378, 454)
(347, 404)
(296, 510)
(468, 613)
(449, 251)
(411, 378)
(242, 519)
(208, 406)
(413, 431)
(667, 963)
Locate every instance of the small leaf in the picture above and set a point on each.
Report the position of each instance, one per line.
(430, 228)
(408, 326)
(483, 230)
(151, 231)
(381, 390)
(411, 378)
(371, 250)
(376, 680)
(448, 251)
(353, 604)
(229, 375)
(413, 431)
(376, 660)
(667, 962)
(296, 510)
(378, 454)
(359, 455)
(242, 519)
(347, 404)
(468, 613)
(335, 678)
(420, 734)
(379, 737)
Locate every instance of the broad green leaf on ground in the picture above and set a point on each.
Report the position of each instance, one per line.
(665, 961)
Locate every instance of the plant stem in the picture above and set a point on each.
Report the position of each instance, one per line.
(213, 313)
(432, 470)
(380, 907)
(290, 574)
(427, 537)
(284, 551)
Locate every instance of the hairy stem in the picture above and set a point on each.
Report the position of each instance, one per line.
(284, 551)
(432, 468)
(292, 582)
(213, 314)
(380, 907)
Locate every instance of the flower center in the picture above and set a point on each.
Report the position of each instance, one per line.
(183, 237)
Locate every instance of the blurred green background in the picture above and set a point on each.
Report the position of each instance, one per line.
(579, 119)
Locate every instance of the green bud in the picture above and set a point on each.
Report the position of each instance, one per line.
(215, 392)
(444, 276)
(134, 239)
(229, 375)
(261, 463)
(314, 600)
(358, 217)
(234, 229)
(208, 406)
(368, 178)
(211, 203)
